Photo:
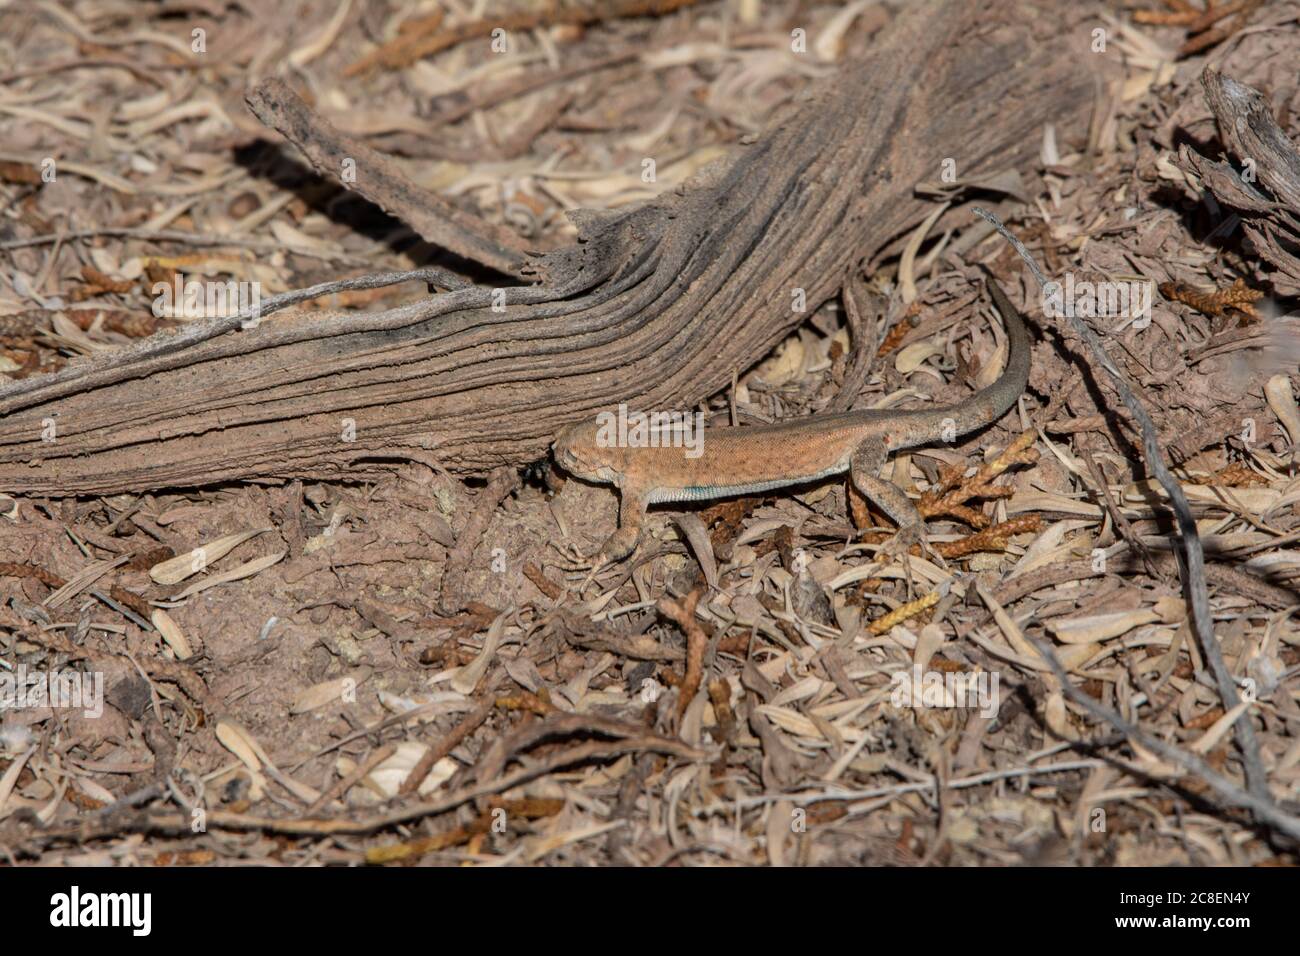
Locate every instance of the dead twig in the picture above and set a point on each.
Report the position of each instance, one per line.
(500, 486)
(697, 641)
(1264, 808)
(115, 820)
(529, 808)
(470, 723)
(344, 784)
(1194, 570)
(629, 738)
(359, 168)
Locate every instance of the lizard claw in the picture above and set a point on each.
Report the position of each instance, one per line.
(598, 564)
(576, 562)
(572, 559)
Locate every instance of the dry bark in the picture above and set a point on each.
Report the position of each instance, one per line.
(656, 305)
(1265, 192)
(432, 217)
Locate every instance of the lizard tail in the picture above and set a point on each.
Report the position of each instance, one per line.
(989, 404)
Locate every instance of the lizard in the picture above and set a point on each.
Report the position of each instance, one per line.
(759, 458)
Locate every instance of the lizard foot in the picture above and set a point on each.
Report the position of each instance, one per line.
(904, 540)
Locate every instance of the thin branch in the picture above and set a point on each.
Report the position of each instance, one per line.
(1264, 808)
(1194, 567)
(360, 169)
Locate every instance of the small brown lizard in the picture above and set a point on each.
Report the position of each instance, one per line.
(748, 460)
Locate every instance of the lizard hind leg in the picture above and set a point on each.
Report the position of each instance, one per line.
(863, 468)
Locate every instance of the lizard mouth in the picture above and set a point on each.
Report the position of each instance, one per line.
(585, 470)
(570, 462)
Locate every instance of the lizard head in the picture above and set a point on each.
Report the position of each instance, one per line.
(579, 453)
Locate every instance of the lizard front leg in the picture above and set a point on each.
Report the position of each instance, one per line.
(633, 501)
(863, 468)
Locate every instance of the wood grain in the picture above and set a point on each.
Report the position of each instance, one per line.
(655, 306)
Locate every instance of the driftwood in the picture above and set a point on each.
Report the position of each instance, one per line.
(1265, 191)
(656, 306)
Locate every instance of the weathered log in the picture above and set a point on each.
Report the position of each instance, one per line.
(1268, 197)
(656, 306)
